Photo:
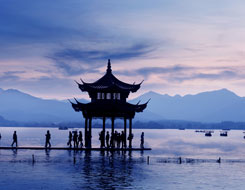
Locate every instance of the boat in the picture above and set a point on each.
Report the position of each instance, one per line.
(208, 133)
(223, 133)
(63, 128)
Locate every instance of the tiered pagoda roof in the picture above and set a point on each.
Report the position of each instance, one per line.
(112, 106)
(109, 83)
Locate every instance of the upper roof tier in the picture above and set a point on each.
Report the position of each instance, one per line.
(109, 83)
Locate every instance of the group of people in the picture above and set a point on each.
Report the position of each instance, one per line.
(118, 140)
(76, 138)
(115, 140)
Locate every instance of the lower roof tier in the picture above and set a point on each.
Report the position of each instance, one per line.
(108, 108)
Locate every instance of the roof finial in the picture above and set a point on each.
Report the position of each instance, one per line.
(109, 66)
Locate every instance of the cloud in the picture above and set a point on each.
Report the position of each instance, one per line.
(68, 38)
(222, 75)
(10, 76)
(182, 73)
(146, 71)
(77, 61)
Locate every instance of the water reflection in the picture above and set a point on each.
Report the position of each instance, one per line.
(107, 170)
(47, 153)
(15, 151)
(115, 170)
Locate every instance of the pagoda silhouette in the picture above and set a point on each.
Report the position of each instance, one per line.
(108, 100)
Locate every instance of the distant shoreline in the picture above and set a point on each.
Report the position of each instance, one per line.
(163, 124)
(97, 127)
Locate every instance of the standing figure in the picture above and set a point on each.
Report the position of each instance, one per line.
(115, 139)
(130, 138)
(48, 137)
(70, 139)
(80, 139)
(107, 139)
(75, 139)
(118, 140)
(102, 139)
(14, 139)
(142, 140)
(112, 140)
(123, 139)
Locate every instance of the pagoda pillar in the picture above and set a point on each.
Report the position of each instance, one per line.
(103, 145)
(125, 133)
(90, 133)
(112, 131)
(86, 132)
(130, 133)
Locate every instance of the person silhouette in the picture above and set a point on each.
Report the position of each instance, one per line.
(123, 139)
(142, 140)
(107, 139)
(48, 137)
(75, 139)
(118, 140)
(69, 139)
(112, 140)
(102, 139)
(80, 139)
(14, 139)
(130, 138)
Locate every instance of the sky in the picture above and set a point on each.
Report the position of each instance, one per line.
(175, 46)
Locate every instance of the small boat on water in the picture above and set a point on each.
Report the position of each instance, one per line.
(63, 128)
(208, 134)
(181, 128)
(223, 133)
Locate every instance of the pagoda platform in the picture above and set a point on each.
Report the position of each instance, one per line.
(78, 149)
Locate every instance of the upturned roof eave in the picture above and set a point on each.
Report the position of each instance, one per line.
(96, 106)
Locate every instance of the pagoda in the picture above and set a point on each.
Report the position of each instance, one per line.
(108, 101)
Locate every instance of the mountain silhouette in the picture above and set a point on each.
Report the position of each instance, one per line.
(213, 106)
(22, 107)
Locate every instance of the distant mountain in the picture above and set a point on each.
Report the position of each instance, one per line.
(22, 107)
(213, 106)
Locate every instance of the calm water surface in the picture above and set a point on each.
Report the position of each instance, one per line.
(104, 170)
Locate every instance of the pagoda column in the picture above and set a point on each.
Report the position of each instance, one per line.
(125, 132)
(86, 132)
(130, 133)
(104, 131)
(90, 133)
(112, 131)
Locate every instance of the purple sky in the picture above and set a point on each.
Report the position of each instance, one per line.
(177, 47)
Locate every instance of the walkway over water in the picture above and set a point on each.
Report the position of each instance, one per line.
(68, 148)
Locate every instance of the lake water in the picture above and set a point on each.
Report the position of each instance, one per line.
(58, 169)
